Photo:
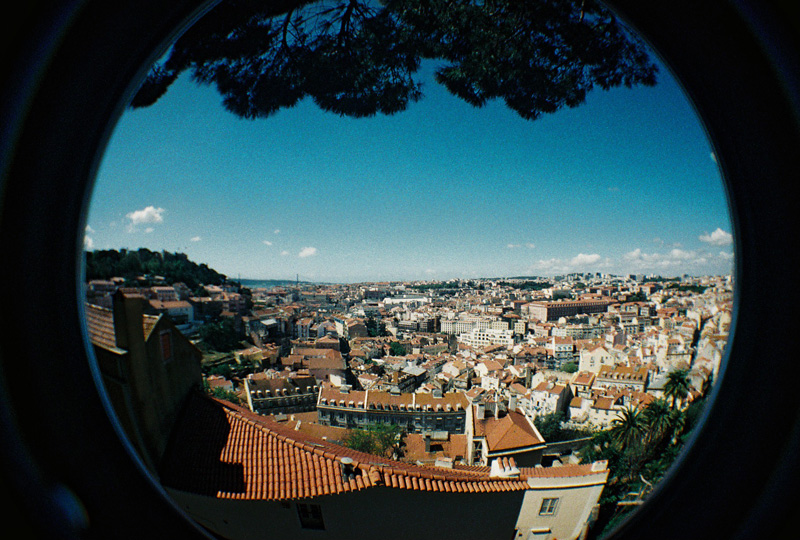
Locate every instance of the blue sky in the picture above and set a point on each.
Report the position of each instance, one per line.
(625, 183)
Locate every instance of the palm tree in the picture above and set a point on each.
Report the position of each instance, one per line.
(656, 416)
(677, 423)
(677, 385)
(628, 428)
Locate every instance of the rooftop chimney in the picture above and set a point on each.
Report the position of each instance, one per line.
(348, 472)
(504, 468)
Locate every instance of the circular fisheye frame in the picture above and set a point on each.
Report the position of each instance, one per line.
(72, 68)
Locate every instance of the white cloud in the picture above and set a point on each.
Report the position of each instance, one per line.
(277, 231)
(717, 238)
(267, 243)
(284, 253)
(148, 230)
(307, 252)
(512, 246)
(550, 266)
(88, 243)
(89, 230)
(150, 214)
(583, 259)
(680, 254)
(530, 245)
(195, 239)
(634, 255)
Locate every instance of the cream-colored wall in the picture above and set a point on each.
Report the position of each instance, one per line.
(576, 498)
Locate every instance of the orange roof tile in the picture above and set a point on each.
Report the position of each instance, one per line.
(509, 432)
(225, 451)
(100, 325)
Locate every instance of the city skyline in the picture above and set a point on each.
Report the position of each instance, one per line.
(625, 183)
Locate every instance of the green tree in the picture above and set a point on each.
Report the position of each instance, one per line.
(628, 428)
(223, 370)
(375, 328)
(397, 349)
(220, 336)
(221, 393)
(656, 416)
(570, 367)
(175, 267)
(549, 425)
(677, 386)
(359, 58)
(382, 439)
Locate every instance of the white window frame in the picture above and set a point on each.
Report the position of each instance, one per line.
(549, 506)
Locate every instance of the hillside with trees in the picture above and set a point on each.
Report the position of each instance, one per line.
(173, 267)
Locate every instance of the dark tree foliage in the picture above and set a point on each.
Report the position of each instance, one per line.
(397, 349)
(375, 328)
(637, 297)
(641, 445)
(551, 429)
(220, 336)
(221, 393)
(174, 267)
(359, 57)
(570, 367)
(383, 440)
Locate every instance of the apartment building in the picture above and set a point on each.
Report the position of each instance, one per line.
(415, 412)
(552, 311)
(240, 474)
(479, 338)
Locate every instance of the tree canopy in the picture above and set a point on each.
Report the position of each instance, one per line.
(397, 349)
(380, 440)
(360, 57)
(174, 267)
(220, 336)
(677, 386)
(640, 446)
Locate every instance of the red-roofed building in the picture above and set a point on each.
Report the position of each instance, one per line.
(415, 412)
(239, 475)
(148, 368)
(495, 436)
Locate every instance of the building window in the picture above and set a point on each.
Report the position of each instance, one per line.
(548, 507)
(165, 339)
(310, 516)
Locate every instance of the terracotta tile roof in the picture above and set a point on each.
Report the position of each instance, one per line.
(169, 304)
(149, 322)
(454, 446)
(378, 399)
(225, 451)
(100, 325)
(509, 432)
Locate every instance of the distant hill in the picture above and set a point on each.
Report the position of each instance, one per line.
(173, 267)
